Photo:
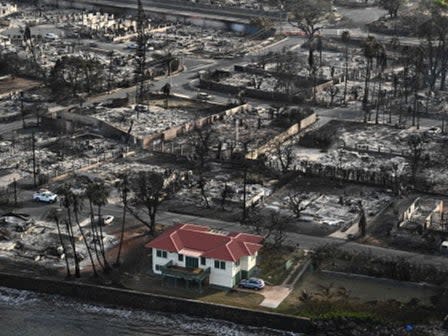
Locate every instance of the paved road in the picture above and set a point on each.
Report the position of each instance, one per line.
(181, 82)
(310, 242)
(10, 127)
(39, 212)
(354, 112)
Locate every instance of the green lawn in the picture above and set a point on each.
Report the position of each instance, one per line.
(325, 297)
(234, 298)
(272, 264)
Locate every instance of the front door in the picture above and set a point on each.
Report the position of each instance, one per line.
(191, 262)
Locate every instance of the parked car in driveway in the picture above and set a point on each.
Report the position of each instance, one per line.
(45, 196)
(252, 283)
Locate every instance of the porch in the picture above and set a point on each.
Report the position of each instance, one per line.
(187, 275)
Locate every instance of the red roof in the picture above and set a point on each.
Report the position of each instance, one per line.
(203, 241)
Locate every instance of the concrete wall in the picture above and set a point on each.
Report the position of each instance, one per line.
(185, 128)
(282, 137)
(67, 121)
(138, 300)
(254, 93)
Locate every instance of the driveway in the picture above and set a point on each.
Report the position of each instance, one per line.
(274, 295)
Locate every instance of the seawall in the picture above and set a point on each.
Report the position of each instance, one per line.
(146, 301)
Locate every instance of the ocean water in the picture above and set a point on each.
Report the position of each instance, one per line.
(25, 313)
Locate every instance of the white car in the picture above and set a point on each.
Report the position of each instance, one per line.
(204, 96)
(45, 196)
(107, 219)
(51, 36)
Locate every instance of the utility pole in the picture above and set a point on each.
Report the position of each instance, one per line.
(14, 184)
(33, 143)
(22, 111)
(110, 69)
(244, 193)
(140, 55)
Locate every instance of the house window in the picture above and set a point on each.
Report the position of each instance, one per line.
(162, 254)
(220, 264)
(202, 260)
(180, 257)
(158, 267)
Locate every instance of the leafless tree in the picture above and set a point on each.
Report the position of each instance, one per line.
(147, 192)
(227, 192)
(416, 147)
(297, 203)
(285, 154)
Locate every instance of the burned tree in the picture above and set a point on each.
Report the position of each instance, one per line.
(362, 222)
(416, 147)
(227, 193)
(147, 192)
(392, 6)
(372, 50)
(202, 147)
(297, 203)
(306, 15)
(140, 55)
(97, 194)
(346, 40)
(67, 202)
(285, 154)
(123, 187)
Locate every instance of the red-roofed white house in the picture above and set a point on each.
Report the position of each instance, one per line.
(198, 253)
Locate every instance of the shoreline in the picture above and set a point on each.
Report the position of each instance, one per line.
(154, 302)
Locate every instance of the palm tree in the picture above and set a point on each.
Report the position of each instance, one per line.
(91, 194)
(124, 189)
(61, 240)
(67, 201)
(381, 64)
(100, 200)
(346, 39)
(77, 208)
(419, 71)
(370, 50)
(166, 90)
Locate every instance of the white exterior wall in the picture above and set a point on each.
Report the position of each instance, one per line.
(163, 261)
(218, 277)
(248, 262)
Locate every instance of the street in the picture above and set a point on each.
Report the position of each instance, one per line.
(166, 218)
